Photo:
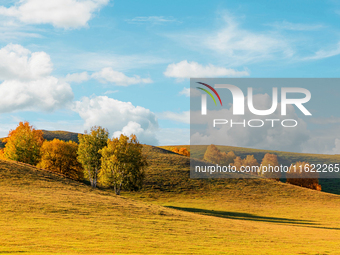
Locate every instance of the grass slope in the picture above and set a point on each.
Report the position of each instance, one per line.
(285, 158)
(267, 217)
(43, 213)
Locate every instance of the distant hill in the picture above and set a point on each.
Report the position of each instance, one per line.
(50, 135)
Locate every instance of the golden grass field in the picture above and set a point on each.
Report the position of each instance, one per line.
(43, 213)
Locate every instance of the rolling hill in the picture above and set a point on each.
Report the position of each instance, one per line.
(285, 158)
(44, 213)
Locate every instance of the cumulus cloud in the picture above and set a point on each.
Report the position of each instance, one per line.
(27, 83)
(18, 62)
(62, 13)
(119, 117)
(266, 137)
(185, 69)
(46, 94)
(109, 75)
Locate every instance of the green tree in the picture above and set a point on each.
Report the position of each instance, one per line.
(23, 144)
(61, 157)
(123, 164)
(88, 152)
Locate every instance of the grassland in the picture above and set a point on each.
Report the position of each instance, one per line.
(43, 213)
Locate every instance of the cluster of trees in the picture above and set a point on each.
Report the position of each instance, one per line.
(116, 163)
(182, 151)
(294, 176)
(300, 175)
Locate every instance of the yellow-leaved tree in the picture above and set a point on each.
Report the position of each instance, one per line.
(215, 156)
(61, 157)
(123, 164)
(268, 164)
(88, 152)
(23, 144)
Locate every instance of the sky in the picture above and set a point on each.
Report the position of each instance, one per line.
(125, 65)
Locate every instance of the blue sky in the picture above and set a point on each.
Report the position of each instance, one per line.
(68, 64)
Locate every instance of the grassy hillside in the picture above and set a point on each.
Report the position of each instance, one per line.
(285, 158)
(50, 135)
(43, 213)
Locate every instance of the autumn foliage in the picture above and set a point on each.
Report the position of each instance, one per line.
(183, 151)
(23, 144)
(269, 161)
(215, 156)
(61, 157)
(123, 164)
(88, 152)
(300, 174)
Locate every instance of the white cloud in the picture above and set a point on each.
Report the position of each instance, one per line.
(185, 69)
(18, 62)
(183, 117)
(236, 46)
(27, 83)
(186, 92)
(118, 117)
(325, 53)
(77, 77)
(111, 92)
(61, 13)
(285, 25)
(266, 137)
(151, 19)
(109, 75)
(45, 94)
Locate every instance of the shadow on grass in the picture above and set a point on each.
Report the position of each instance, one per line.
(242, 216)
(252, 217)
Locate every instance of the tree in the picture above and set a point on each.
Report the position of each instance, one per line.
(230, 157)
(88, 152)
(213, 154)
(237, 163)
(184, 151)
(300, 174)
(61, 157)
(251, 161)
(123, 164)
(175, 149)
(268, 164)
(23, 144)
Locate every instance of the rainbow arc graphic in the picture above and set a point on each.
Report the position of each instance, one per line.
(209, 93)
